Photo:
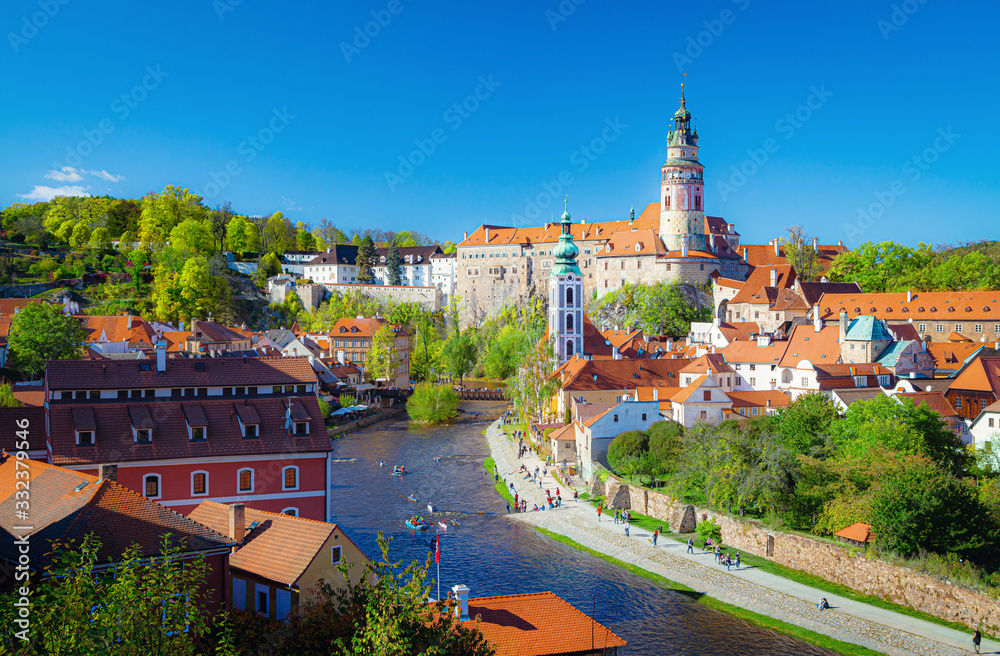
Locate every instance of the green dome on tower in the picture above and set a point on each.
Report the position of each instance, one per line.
(566, 251)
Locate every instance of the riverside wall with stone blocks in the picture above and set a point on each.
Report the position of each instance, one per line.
(835, 563)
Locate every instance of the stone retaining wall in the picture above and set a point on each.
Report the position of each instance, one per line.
(839, 564)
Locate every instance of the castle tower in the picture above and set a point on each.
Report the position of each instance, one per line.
(682, 185)
(566, 296)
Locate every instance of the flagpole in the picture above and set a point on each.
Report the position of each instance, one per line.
(438, 559)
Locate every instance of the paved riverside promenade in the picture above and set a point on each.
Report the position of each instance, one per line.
(747, 587)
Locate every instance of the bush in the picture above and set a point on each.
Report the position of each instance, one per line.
(324, 409)
(665, 440)
(432, 404)
(709, 529)
(346, 401)
(628, 445)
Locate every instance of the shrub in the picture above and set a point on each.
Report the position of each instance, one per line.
(709, 529)
(628, 445)
(346, 401)
(432, 404)
(665, 439)
(324, 408)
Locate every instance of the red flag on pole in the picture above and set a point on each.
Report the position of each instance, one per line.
(437, 550)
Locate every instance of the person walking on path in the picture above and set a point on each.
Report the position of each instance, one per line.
(616, 515)
(977, 638)
(729, 562)
(690, 545)
(655, 534)
(576, 495)
(626, 528)
(508, 508)
(599, 511)
(737, 560)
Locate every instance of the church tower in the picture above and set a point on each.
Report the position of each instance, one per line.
(682, 197)
(566, 296)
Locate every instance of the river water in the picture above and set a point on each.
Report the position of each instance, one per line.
(495, 555)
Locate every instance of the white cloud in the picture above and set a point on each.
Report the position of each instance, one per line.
(43, 193)
(290, 205)
(104, 175)
(65, 174)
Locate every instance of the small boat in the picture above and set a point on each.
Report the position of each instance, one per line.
(398, 471)
(412, 498)
(443, 525)
(430, 507)
(419, 525)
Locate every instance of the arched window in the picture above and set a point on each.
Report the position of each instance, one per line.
(569, 297)
(569, 348)
(290, 478)
(666, 202)
(294, 512)
(569, 324)
(151, 486)
(244, 480)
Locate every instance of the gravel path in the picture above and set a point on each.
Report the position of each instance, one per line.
(850, 621)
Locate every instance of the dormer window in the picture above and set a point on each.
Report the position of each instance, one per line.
(85, 426)
(197, 424)
(248, 420)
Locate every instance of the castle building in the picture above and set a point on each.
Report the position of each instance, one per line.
(682, 185)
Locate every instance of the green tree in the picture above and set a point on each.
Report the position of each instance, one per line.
(137, 605)
(218, 220)
(80, 236)
(922, 507)
(41, 332)
(278, 235)
(666, 442)
(194, 236)
(242, 235)
(801, 255)
(534, 385)
(366, 260)
(432, 404)
(7, 399)
(381, 356)
(100, 239)
(162, 211)
(459, 354)
(626, 446)
(804, 424)
(708, 528)
(883, 267)
(659, 309)
(269, 265)
(304, 240)
(394, 266)
(506, 352)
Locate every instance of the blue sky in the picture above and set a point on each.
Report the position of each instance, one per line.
(284, 107)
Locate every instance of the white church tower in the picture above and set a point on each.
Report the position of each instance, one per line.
(682, 198)
(566, 296)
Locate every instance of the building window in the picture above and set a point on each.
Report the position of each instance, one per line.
(753, 411)
(958, 402)
(753, 367)
(982, 405)
(245, 480)
(707, 395)
(958, 327)
(336, 553)
(704, 415)
(143, 436)
(922, 328)
(239, 593)
(290, 478)
(263, 598)
(753, 382)
(616, 419)
(301, 428)
(197, 433)
(991, 422)
(151, 486)
(199, 483)
(644, 416)
(85, 438)
(291, 512)
(805, 382)
(978, 328)
(939, 328)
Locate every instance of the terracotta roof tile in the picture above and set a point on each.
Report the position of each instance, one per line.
(922, 306)
(761, 278)
(640, 242)
(858, 532)
(936, 401)
(538, 624)
(806, 344)
(180, 372)
(763, 255)
(584, 375)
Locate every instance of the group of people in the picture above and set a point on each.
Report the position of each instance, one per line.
(727, 558)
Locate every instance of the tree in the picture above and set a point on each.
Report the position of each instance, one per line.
(381, 355)
(666, 442)
(278, 234)
(883, 267)
(269, 265)
(137, 605)
(659, 309)
(162, 211)
(194, 236)
(242, 235)
(192, 293)
(625, 446)
(304, 240)
(459, 355)
(41, 332)
(801, 255)
(506, 352)
(7, 399)
(922, 507)
(394, 266)
(219, 219)
(804, 424)
(366, 260)
(432, 404)
(80, 236)
(100, 239)
(534, 385)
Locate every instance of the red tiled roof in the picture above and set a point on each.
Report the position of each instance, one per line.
(118, 516)
(116, 328)
(618, 374)
(640, 242)
(981, 375)
(762, 399)
(180, 372)
(738, 330)
(279, 549)
(538, 624)
(567, 432)
(684, 394)
(761, 278)
(806, 344)
(936, 401)
(762, 255)
(113, 431)
(10, 306)
(710, 362)
(922, 306)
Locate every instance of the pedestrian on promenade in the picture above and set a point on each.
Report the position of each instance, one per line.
(729, 562)
(737, 560)
(655, 534)
(547, 492)
(576, 495)
(616, 515)
(690, 545)
(558, 501)
(599, 511)
(977, 638)
(626, 528)
(515, 497)
(508, 508)
(557, 491)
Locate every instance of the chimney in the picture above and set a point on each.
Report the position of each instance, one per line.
(840, 243)
(816, 244)
(684, 245)
(716, 322)
(161, 357)
(777, 248)
(909, 296)
(109, 473)
(711, 241)
(340, 357)
(774, 277)
(817, 324)
(670, 343)
(465, 235)
(461, 593)
(746, 253)
(237, 522)
(731, 228)
(129, 322)
(615, 355)
(843, 325)
(487, 235)
(656, 393)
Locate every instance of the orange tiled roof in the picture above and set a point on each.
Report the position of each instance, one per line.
(922, 306)
(280, 549)
(713, 362)
(981, 375)
(549, 233)
(116, 328)
(936, 401)
(858, 532)
(567, 432)
(640, 242)
(749, 352)
(729, 282)
(9, 306)
(949, 353)
(592, 375)
(806, 344)
(761, 278)
(538, 624)
(763, 255)
(738, 330)
(761, 399)
(684, 394)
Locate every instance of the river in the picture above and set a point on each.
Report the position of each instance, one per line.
(495, 555)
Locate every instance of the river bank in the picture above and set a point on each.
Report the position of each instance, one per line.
(746, 588)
